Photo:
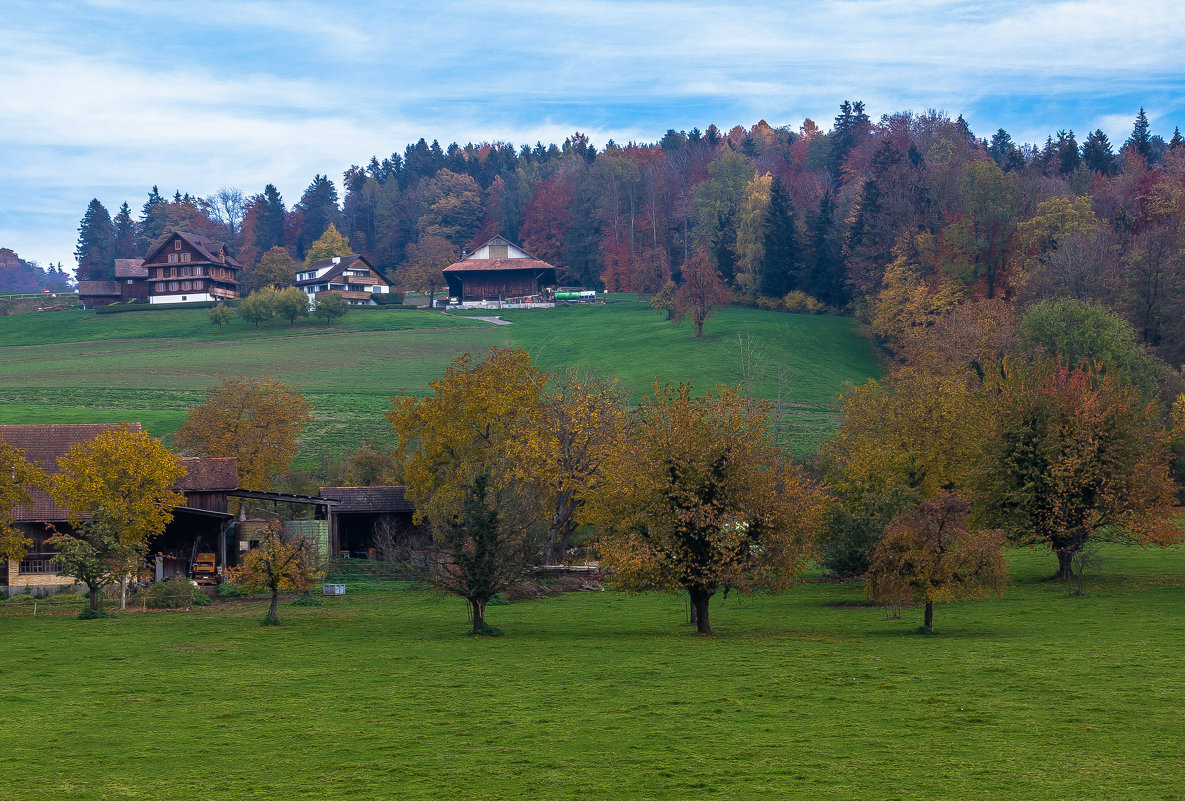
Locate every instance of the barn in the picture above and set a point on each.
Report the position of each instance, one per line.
(499, 271)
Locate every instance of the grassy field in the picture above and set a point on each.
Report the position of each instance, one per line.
(79, 366)
(810, 694)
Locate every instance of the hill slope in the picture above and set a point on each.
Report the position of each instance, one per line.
(154, 366)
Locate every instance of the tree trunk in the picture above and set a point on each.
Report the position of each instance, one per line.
(699, 609)
(94, 597)
(123, 593)
(478, 611)
(928, 619)
(272, 615)
(1065, 564)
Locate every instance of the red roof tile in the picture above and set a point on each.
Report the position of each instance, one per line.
(483, 265)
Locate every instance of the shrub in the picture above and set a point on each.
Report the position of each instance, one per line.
(769, 304)
(802, 303)
(177, 593)
(306, 599)
(229, 591)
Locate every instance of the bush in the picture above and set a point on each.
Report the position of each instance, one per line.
(769, 304)
(307, 599)
(802, 303)
(94, 614)
(229, 591)
(177, 593)
(854, 528)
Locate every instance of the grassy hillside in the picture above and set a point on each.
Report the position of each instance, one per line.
(154, 366)
(805, 695)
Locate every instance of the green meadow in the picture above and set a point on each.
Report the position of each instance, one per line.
(810, 694)
(78, 366)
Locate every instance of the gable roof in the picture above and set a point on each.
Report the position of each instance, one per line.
(346, 263)
(207, 248)
(484, 265)
(130, 268)
(98, 288)
(208, 474)
(368, 499)
(43, 444)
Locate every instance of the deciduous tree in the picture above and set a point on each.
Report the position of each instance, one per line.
(220, 314)
(423, 269)
(258, 306)
(118, 489)
(331, 243)
(701, 292)
(255, 420)
(1071, 455)
(699, 497)
(330, 306)
(17, 475)
(275, 269)
(461, 476)
(284, 562)
(931, 555)
(291, 303)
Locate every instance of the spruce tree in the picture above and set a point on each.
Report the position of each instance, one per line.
(827, 279)
(1097, 154)
(96, 244)
(782, 270)
(1177, 140)
(1069, 157)
(153, 219)
(270, 231)
(125, 233)
(318, 206)
(1141, 139)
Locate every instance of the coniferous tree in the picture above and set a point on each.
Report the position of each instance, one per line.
(827, 280)
(318, 207)
(1068, 157)
(1141, 138)
(153, 219)
(781, 270)
(96, 244)
(125, 233)
(1177, 140)
(270, 231)
(1097, 154)
(851, 128)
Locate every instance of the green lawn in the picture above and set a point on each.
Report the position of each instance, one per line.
(80, 366)
(810, 694)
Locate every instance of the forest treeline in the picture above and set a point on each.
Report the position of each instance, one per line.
(896, 219)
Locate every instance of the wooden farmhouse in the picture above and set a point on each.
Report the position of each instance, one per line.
(199, 525)
(352, 277)
(498, 271)
(187, 268)
(129, 285)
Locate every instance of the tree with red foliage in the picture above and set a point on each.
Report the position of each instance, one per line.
(702, 291)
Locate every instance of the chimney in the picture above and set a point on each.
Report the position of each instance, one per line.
(337, 259)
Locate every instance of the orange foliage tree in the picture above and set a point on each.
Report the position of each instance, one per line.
(931, 555)
(284, 561)
(701, 292)
(699, 497)
(17, 475)
(1072, 454)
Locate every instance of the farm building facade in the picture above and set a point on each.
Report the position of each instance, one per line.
(499, 271)
(352, 277)
(180, 268)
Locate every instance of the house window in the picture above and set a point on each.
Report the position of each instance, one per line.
(184, 257)
(222, 256)
(197, 270)
(197, 284)
(185, 285)
(176, 244)
(35, 564)
(172, 258)
(499, 252)
(173, 286)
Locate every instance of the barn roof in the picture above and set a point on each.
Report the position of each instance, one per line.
(43, 444)
(130, 268)
(209, 474)
(369, 499)
(98, 288)
(346, 263)
(484, 265)
(207, 248)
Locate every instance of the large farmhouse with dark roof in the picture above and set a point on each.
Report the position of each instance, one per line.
(499, 271)
(187, 268)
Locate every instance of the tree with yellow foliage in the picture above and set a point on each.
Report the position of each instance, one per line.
(254, 420)
(118, 489)
(931, 555)
(17, 475)
(462, 474)
(699, 497)
(283, 562)
(330, 244)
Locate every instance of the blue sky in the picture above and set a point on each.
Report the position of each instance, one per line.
(104, 98)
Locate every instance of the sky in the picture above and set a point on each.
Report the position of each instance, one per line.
(106, 98)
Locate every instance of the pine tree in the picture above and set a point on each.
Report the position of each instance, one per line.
(782, 270)
(270, 232)
(96, 244)
(1141, 139)
(318, 207)
(1097, 154)
(125, 233)
(1177, 140)
(1069, 157)
(827, 279)
(153, 219)
(850, 129)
